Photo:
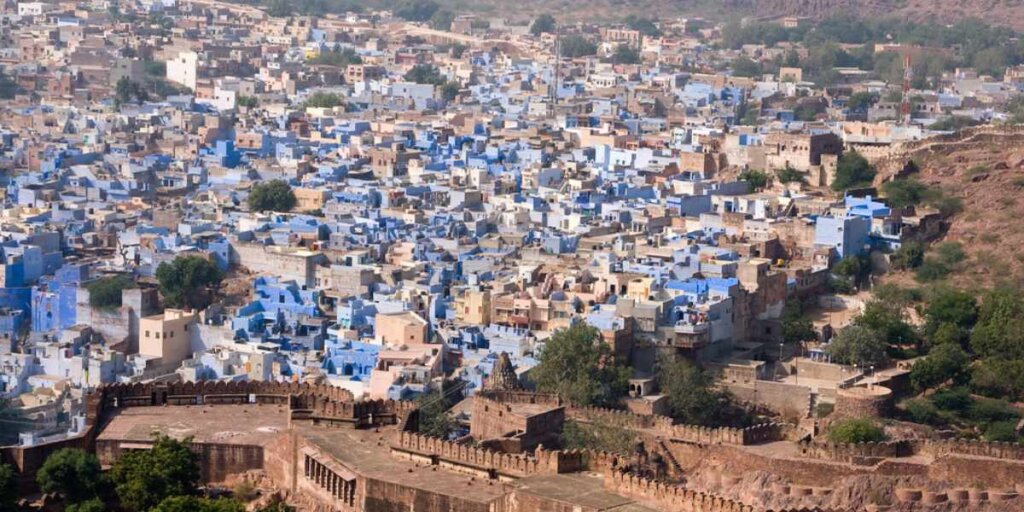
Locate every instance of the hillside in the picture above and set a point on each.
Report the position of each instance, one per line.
(1008, 12)
(984, 168)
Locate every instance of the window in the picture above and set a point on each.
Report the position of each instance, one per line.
(147, 334)
(158, 335)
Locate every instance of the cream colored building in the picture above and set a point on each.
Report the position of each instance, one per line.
(167, 336)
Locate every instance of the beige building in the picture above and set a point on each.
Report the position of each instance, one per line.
(474, 307)
(307, 199)
(167, 336)
(403, 328)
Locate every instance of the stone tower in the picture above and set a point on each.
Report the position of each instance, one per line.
(503, 376)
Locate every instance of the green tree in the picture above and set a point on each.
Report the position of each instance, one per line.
(321, 99)
(860, 430)
(194, 504)
(597, 436)
(853, 170)
(8, 86)
(127, 91)
(105, 293)
(858, 345)
(187, 281)
(692, 396)
(861, 101)
(73, 473)
(1000, 378)
(545, 23)
(745, 67)
(645, 26)
(796, 327)
(1000, 328)
(442, 20)
(433, 417)
(579, 366)
(945, 362)
(143, 479)
(274, 195)
(8, 487)
(904, 193)
(758, 180)
(93, 505)
(791, 175)
(425, 74)
(416, 10)
(450, 91)
(950, 306)
(247, 101)
(279, 8)
(575, 45)
(909, 256)
(341, 58)
(626, 54)
(888, 320)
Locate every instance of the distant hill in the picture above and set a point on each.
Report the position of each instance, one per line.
(1004, 12)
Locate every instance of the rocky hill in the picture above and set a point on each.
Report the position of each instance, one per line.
(984, 168)
(1004, 12)
(1009, 12)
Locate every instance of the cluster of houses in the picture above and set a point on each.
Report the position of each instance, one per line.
(436, 225)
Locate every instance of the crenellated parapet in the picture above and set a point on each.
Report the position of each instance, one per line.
(666, 496)
(873, 452)
(515, 465)
(666, 427)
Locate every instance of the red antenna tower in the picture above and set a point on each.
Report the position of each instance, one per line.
(908, 77)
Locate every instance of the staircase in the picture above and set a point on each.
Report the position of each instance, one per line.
(676, 468)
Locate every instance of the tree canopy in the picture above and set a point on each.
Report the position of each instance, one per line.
(143, 479)
(945, 362)
(853, 170)
(579, 366)
(859, 430)
(8, 486)
(73, 473)
(692, 396)
(545, 23)
(105, 293)
(194, 504)
(274, 195)
(188, 281)
(858, 345)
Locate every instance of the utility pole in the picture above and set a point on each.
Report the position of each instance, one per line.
(558, 65)
(908, 77)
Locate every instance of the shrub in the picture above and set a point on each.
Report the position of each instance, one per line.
(955, 400)
(1002, 432)
(923, 411)
(909, 256)
(861, 430)
(105, 293)
(275, 195)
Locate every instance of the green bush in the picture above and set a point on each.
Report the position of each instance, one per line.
(105, 293)
(861, 430)
(275, 195)
(923, 411)
(1002, 432)
(853, 170)
(909, 256)
(954, 400)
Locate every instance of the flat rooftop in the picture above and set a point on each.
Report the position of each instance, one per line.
(248, 424)
(585, 490)
(369, 454)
